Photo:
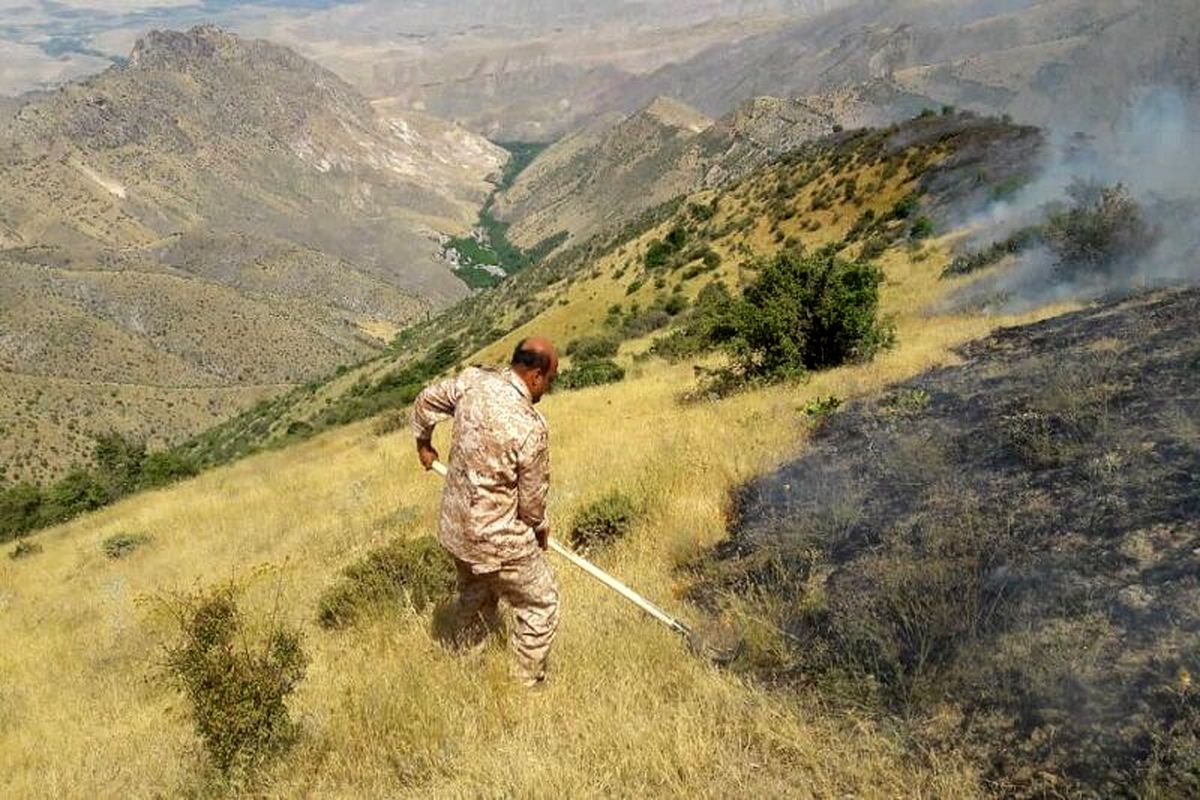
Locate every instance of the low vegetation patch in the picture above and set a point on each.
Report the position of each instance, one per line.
(977, 260)
(236, 684)
(604, 521)
(801, 313)
(591, 373)
(591, 348)
(120, 467)
(24, 549)
(413, 571)
(120, 545)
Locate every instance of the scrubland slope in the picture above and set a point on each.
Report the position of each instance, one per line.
(385, 709)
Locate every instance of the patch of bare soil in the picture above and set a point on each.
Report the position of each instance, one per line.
(1005, 554)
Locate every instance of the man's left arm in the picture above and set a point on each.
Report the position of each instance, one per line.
(533, 484)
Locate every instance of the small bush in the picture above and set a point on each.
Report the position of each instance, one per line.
(237, 688)
(604, 521)
(873, 248)
(821, 406)
(166, 467)
(658, 254)
(922, 228)
(20, 510)
(391, 422)
(591, 373)
(906, 402)
(905, 207)
(121, 545)
(675, 305)
(414, 571)
(1103, 231)
(24, 549)
(973, 262)
(590, 348)
(644, 322)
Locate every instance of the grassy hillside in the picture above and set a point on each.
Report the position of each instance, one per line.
(385, 710)
(853, 190)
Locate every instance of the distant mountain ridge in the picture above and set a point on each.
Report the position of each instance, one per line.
(618, 167)
(1065, 63)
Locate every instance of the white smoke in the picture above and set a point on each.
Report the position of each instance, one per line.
(1152, 151)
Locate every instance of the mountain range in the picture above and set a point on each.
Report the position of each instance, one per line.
(219, 218)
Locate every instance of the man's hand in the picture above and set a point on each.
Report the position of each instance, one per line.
(543, 536)
(427, 454)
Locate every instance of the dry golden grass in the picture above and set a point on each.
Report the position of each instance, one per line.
(385, 710)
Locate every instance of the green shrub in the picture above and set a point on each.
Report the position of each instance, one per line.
(591, 373)
(416, 571)
(590, 348)
(704, 328)
(1103, 231)
(237, 688)
(995, 252)
(119, 463)
(675, 305)
(120, 545)
(604, 521)
(702, 212)
(77, 493)
(805, 313)
(658, 254)
(821, 406)
(922, 228)
(905, 207)
(24, 549)
(166, 467)
(20, 510)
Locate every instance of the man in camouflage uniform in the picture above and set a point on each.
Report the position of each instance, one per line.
(493, 518)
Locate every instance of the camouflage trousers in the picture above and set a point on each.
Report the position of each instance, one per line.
(527, 586)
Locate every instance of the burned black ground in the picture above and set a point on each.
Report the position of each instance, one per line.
(1003, 554)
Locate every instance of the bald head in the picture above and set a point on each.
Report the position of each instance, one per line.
(536, 361)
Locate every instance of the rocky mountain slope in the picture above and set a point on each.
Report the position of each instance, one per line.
(520, 70)
(618, 167)
(220, 215)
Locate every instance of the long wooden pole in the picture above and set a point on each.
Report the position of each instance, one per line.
(604, 578)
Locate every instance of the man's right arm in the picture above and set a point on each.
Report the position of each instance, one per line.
(433, 405)
(533, 483)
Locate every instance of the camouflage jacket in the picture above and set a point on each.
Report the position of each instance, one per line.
(495, 495)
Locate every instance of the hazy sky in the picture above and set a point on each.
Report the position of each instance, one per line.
(44, 42)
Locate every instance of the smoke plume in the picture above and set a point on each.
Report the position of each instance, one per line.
(1152, 153)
